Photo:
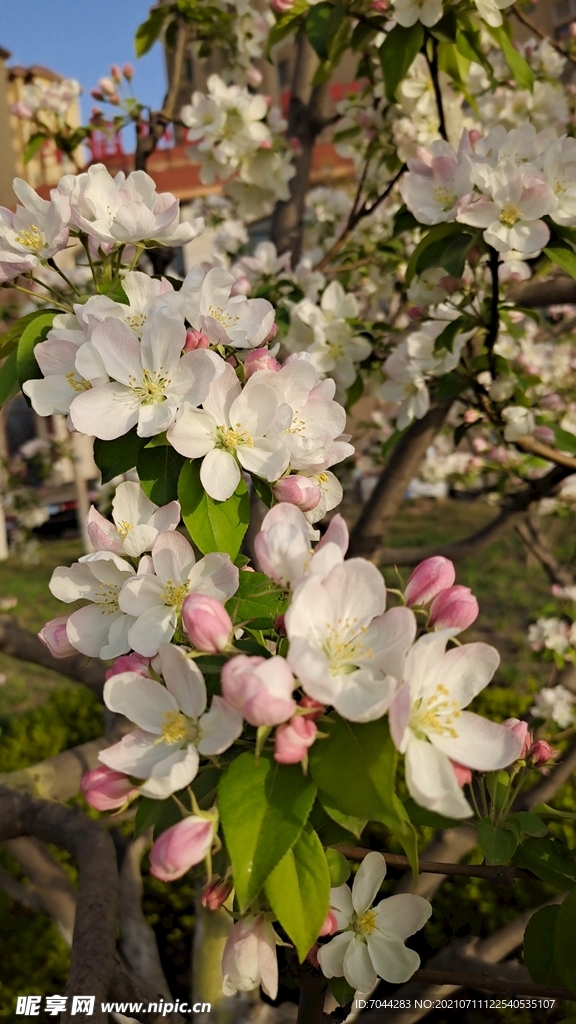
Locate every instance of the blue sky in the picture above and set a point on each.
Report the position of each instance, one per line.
(80, 39)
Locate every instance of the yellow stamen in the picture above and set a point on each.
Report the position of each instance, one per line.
(174, 727)
(174, 594)
(366, 923)
(77, 385)
(30, 238)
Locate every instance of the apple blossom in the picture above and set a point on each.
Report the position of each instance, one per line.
(249, 957)
(520, 729)
(107, 790)
(260, 359)
(36, 231)
(429, 726)
(181, 847)
(55, 637)
(150, 380)
(100, 629)
(512, 215)
(154, 599)
(231, 431)
(408, 12)
(260, 688)
(137, 522)
(370, 942)
(206, 301)
(433, 187)
(454, 608)
(207, 623)
(519, 422)
(428, 579)
(174, 728)
(283, 549)
(293, 739)
(125, 209)
(557, 704)
(343, 648)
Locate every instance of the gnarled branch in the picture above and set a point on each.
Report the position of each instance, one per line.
(24, 645)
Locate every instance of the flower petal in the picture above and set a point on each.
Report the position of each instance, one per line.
(331, 956)
(368, 880)
(358, 969)
(391, 959)
(402, 915)
(183, 679)
(143, 701)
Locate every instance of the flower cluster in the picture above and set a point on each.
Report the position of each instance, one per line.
(504, 184)
(56, 98)
(233, 131)
(109, 212)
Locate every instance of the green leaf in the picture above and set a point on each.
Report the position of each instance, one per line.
(469, 45)
(550, 812)
(548, 859)
(350, 822)
(9, 340)
(338, 867)
(9, 385)
(213, 525)
(298, 890)
(497, 784)
(321, 25)
(397, 54)
(450, 386)
(263, 809)
(158, 471)
(33, 333)
(434, 240)
(343, 992)
(118, 456)
(447, 337)
(538, 949)
(285, 24)
(563, 439)
(498, 845)
(149, 31)
(521, 70)
(420, 816)
(34, 145)
(530, 824)
(404, 221)
(356, 767)
(256, 601)
(565, 941)
(563, 256)
(264, 491)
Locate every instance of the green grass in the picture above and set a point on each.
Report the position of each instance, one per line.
(28, 685)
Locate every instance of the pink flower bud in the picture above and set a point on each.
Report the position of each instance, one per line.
(54, 636)
(260, 359)
(130, 663)
(293, 739)
(552, 401)
(96, 95)
(573, 29)
(474, 135)
(299, 491)
(241, 286)
(280, 625)
(520, 729)
(454, 608)
(544, 434)
(114, 99)
(330, 925)
(312, 956)
(471, 416)
(207, 623)
(116, 73)
(463, 774)
(428, 579)
(21, 110)
(540, 753)
(216, 893)
(281, 6)
(480, 445)
(107, 86)
(128, 72)
(273, 333)
(380, 6)
(416, 312)
(105, 789)
(195, 339)
(261, 688)
(253, 76)
(314, 710)
(180, 847)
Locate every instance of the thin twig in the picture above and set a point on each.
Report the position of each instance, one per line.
(502, 873)
(479, 981)
(494, 325)
(433, 68)
(363, 211)
(542, 35)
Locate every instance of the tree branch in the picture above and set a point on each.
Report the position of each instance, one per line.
(306, 120)
(509, 517)
(504, 874)
(556, 291)
(24, 645)
(50, 888)
(93, 949)
(159, 119)
(137, 939)
(59, 777)
(482, 980)
(542, 35)
(432, 63)
(535, 542)
(403, 464)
